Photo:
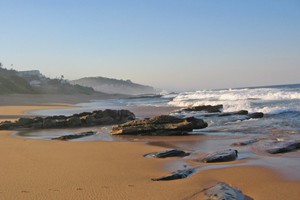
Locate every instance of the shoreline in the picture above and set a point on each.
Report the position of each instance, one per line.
(41, 169)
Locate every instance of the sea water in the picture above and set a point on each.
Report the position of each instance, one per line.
(280, 105)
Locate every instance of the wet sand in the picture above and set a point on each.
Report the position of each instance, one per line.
(41, 169)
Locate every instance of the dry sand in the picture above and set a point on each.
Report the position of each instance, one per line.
(39, 169)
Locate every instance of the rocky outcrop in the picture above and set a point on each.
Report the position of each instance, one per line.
(99, 117)
(74, 136)
(205, 108)
(163, 125)
(221, 156)
(167, 153)
(222, 191)
(179, 174)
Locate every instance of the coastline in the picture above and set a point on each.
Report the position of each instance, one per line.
(40, 169)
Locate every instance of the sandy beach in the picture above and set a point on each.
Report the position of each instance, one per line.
(41, 169)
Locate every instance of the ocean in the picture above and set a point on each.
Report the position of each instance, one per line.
(280, 105)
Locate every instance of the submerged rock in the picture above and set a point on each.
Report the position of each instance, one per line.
(168, 153)
(163, 125)
(179, 174)
(241, 112)
(285, 147)
(255, 115)
(222, 191)
(221, 156)
(205, 108)
(244, 143)
(75, 136)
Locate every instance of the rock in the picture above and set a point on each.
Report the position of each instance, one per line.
(75, 136)
(285, 147)
(222, 191)
(179, 174)
(205, 108)
(24, 122)
(221, 156)
(244, 143)
(255, 115)
(160, 125)
(241, 112)
(106, 117)
(106, 120)
(88, 120)
(168, 153)
(74, 121)
(6, 125)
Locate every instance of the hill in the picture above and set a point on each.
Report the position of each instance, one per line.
(114, 86)
(33, 82)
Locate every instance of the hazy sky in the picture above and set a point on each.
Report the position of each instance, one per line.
(172, 44)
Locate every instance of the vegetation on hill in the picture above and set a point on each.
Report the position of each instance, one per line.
(33, 82)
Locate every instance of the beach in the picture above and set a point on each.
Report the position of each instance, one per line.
(45, 169)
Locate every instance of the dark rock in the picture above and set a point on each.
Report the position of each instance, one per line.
(23, 122)
(6, 125)
(244, 143)
(160, 125)
(205, 108)
(97, 114)
(88, 120)
(106, 120)
(285, 147)
(222, 191)
(75, 136)
(73, 121)
(82, 114)
(241, 112)
(221, 156)
(98, 117)
(255, 115)
(168, 153)
(179, 174)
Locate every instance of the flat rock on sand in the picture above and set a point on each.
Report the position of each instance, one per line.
(221, 156)
(163, 125)
(167, 153)
(222, 191)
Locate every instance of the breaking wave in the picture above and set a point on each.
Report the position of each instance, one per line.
(267, 100)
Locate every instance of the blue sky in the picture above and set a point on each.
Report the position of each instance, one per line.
(171, 44)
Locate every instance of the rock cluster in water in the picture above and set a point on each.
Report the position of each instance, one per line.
(217, 110)
(94, 118)
(163, 125)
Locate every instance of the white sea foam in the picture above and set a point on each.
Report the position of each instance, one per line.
(267, 100)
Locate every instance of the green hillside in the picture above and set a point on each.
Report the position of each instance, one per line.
(33, 82)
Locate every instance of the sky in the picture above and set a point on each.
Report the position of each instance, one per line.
(177, 45)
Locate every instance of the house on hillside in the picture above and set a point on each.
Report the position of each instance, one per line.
(31, 73)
